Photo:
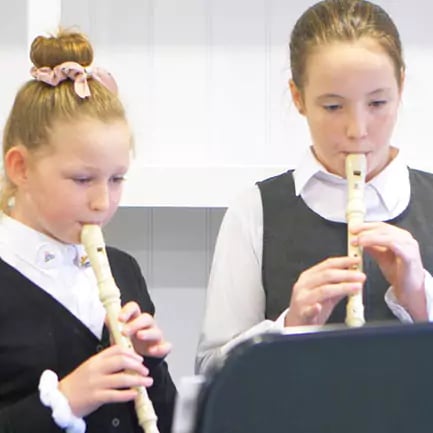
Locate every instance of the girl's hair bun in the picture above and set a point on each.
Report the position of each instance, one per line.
(66, 46)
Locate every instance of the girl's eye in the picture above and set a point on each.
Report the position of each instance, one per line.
(332, 107)
(81, 180)
(378, 103)
(117, 179)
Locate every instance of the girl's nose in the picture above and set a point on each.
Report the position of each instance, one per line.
(100, 198)
(357, 125)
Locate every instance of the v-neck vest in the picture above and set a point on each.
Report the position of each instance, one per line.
(296, 238)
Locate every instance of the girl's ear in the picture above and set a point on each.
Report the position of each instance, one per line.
(16, 164)
(297, 97)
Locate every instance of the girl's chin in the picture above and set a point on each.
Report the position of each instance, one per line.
(69, 238)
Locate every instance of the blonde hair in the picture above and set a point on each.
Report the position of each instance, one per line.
(342, 21)
(38, 105)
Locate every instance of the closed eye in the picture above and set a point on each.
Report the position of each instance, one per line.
(117, 179)
(332, 107)
(82, 180)
(378, 103)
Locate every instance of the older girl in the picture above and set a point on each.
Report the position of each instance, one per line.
(281, 256)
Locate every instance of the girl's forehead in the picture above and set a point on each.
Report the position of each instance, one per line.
(88, 131)
(89, 140)
(85, 125)
(348, 64)
(341, 52)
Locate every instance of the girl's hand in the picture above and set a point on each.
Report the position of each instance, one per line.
(319, 289)
(397, 254)
(146, 337)
(107, 377)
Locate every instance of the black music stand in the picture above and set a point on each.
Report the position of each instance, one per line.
(375, 379)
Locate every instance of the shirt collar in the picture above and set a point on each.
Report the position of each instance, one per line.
(385, 183)
(392, 183)
(36, 248)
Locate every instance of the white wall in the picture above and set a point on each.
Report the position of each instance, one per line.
(205, 86)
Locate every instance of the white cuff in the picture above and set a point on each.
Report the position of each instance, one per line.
(400, 312)
(281, 320)
(428, 285)
(50, 396)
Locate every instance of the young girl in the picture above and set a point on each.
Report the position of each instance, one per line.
(66, 150)
(281, 256)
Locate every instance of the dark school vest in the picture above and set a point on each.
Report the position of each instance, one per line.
(296, 238)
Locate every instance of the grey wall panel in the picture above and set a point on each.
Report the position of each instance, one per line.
(174, 247)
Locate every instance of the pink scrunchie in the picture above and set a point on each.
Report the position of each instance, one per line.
(77, 73)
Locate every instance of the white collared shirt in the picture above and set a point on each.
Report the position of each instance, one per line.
(54, 267)
(235, 301)
(385, 196)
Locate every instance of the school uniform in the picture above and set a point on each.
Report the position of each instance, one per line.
(278, 228)
(42, 329)
(295, 238)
